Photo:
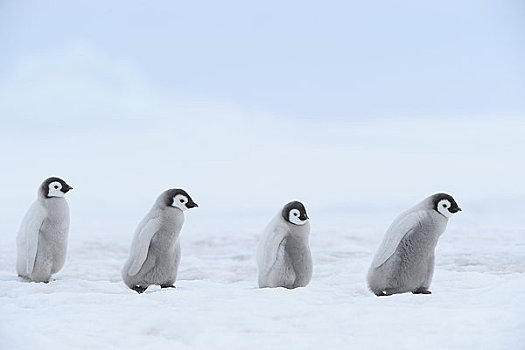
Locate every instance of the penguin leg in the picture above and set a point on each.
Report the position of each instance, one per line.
(421, 290)
(167, 285)
(25, 278)
(383, 293)
(139, 289)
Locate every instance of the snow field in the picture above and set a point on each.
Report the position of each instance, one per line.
(478, 299)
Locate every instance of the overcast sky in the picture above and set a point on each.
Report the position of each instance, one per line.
(345, 106)
(326, 60)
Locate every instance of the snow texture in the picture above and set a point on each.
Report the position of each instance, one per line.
(478, 299)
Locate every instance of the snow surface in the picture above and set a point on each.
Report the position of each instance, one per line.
(478, 299)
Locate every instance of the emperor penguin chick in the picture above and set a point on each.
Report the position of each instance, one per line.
(42, 238)
(155, 252)
(283, 255)
(404, 261)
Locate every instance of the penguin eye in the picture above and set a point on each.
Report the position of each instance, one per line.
(295, 214)
(444, 205)
(181, 200)
(56, 187)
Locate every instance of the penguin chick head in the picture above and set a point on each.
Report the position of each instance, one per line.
(445, 205)
(295, 213)
(178, 198)
(54, 187)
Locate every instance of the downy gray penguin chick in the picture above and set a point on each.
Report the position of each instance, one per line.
(283, 255)
(42, 238)
(155, 252)
(404, 261)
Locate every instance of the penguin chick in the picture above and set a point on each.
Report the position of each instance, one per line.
(42, 238)
(283, 255)
(155, 252)
(404, 261)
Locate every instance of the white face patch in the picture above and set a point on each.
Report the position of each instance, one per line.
(293, 217)
(55, 189)
(443, 207)
(179, 201)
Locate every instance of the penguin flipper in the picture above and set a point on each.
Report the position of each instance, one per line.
(394, 235)
(268, 250)
(139, 250)
(28, 234)
(281, 273)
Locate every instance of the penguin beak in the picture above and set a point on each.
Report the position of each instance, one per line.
(304, 217)
(190, 205)
(67, 189)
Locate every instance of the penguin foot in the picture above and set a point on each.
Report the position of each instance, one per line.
(383, 294)
(421, 291)
(25, 278)
(139, 289)
(167, 286)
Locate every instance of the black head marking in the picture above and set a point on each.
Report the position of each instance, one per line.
(44, 188)
(170, 194)
(285, 213)
(436, 198)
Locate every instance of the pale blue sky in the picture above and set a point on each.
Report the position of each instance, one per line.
(339, 105)
(330, 59)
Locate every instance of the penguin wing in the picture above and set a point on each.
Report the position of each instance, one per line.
(394, 235)
(139, 250)
(28, 234)
(273, 238)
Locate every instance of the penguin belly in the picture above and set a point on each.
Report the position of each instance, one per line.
(161, 264)
(407, 269)
(51, 251)
(301, 260)
(293, 266)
